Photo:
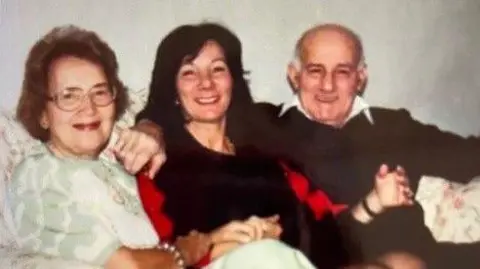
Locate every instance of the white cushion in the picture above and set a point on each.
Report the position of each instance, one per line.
(452, 210)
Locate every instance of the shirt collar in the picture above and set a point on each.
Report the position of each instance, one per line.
(359, 106)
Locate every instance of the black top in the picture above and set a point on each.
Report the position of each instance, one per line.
(206, 189)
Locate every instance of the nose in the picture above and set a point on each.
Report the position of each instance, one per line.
(88, 106)
(327, 82)
(206, 81)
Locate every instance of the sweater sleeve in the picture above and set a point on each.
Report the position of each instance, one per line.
(440, 153)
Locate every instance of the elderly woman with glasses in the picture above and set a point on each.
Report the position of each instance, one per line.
(68, 203)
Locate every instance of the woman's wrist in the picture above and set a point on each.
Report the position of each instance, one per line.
(175, 252)
(368, 208)
(372, 204)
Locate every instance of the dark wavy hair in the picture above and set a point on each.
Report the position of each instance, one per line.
(63, 41)
(187, 41)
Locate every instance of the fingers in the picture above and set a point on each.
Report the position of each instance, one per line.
(234, 231)
(401, 176)
(273, 219)
(404, 186)
(258, 225)
(382, 171)
(273, 231)
(406, 195)
(136, 149)
(155, 163)
(254, 228)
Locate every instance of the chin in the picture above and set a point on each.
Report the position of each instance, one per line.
(95, 146)
(210, 119)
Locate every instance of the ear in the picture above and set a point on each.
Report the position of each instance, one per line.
(43, 120)
(293, 76)
(362, 78)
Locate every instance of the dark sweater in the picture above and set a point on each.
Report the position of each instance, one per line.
(343, 163)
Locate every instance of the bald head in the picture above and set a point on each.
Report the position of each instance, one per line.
(328, 72)
(335, 33)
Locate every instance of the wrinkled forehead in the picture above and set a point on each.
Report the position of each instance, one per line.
(329, 48)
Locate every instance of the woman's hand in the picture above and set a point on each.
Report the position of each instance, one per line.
(391, 190)
(236, 233)
(254, 228)
(193, 247)
(141, 145)
(272, 229)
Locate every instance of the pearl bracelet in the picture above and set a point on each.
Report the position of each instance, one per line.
(172, 249)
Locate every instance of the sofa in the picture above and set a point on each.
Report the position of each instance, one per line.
(452, 211)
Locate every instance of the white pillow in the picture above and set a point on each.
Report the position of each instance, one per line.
(452, 210)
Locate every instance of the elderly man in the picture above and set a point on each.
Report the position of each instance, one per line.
(340, 141)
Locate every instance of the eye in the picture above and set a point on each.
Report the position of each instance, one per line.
(343, 72)
(102, 92)
(219, 69)
(187, 71)
(315, 71)
(69, 96)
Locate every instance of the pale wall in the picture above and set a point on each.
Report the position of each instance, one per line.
(422, 54)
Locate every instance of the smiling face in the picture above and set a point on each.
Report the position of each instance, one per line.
(328, 77)
(84, 131)
(204, 85)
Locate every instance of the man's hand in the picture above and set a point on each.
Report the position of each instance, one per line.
(141, 146)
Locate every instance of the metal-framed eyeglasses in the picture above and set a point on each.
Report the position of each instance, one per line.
(71, 99)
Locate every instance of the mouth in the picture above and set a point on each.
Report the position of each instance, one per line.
(207, 100)
(87, 126)
(326, 98)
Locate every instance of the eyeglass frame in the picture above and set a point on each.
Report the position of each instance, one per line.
(55, 97)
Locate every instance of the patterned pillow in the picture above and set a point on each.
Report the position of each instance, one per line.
(452, 210)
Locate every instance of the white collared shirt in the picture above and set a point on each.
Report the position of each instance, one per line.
(359, 106)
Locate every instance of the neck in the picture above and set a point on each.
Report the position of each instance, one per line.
(210, 135)
(65, 154)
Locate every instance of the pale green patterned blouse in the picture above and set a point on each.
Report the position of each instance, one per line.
(77, 209)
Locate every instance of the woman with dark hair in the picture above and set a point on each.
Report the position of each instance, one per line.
(224, 160)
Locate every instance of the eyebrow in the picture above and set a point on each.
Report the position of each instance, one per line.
(97, 85)
(221, 58)
(348, 65)
(312, 65)
(340, 65)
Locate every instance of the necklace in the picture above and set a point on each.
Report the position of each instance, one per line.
(229, 146)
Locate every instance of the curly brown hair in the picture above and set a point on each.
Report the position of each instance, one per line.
(60, 42)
